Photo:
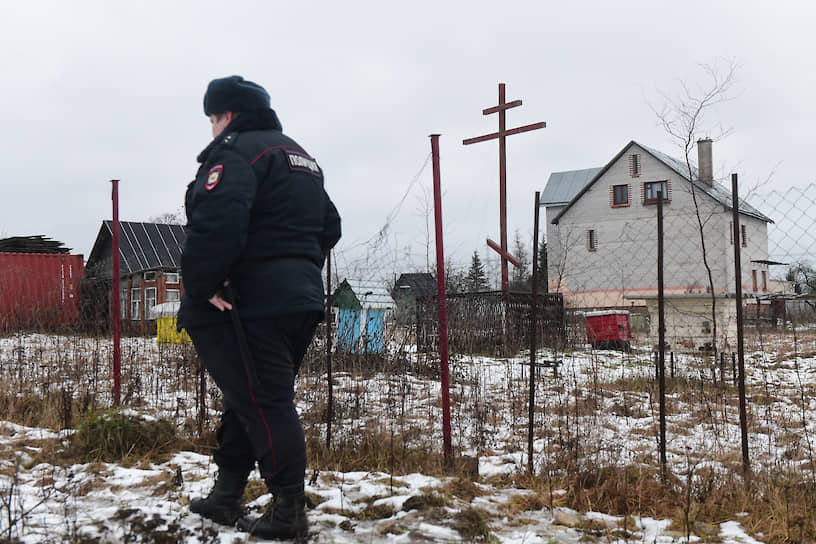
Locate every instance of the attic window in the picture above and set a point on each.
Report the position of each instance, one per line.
(744, 236)
(634, 165)
(150, 276)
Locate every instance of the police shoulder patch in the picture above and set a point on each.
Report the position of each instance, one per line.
(301, 162)
(214, 176)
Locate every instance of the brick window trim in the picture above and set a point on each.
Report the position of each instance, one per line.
(591, 236)
(612, 196)
(651, 201)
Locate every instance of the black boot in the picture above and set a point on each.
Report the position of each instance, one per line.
(224, 503)
(284, 520)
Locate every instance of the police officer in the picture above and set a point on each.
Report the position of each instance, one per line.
(259, 226)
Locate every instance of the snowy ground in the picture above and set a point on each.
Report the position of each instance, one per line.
(98, 502)
(109, 503)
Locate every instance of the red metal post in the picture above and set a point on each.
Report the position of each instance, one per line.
(117, 325)
(440, 297)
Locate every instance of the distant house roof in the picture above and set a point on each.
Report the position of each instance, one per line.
(362, 294)
(33, 244)
(142, 246)
(717, 192)
(563, 186)
(418, 284)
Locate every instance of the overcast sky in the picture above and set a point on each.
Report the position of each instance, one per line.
(98, 90)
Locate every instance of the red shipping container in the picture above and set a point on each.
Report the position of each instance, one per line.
(39, 290)
(609, 328)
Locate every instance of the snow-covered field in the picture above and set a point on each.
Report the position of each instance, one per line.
(601, 402)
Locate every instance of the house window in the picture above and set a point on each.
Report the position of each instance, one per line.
(135, 303)
(150, 299)
(620, 195)
(634, 165)
(754, 280)
(706, 327)
(744, 236)
(592, 240)
(764, 280)
(171, 277)
(650, 190)
(173, 295)
(150, 276)
(123, 303)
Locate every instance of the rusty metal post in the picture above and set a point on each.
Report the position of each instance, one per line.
(441, 303)
(117, 324)
(330, 407)
(661, 334)
(746, 466)
(533, 343)
(505, 280)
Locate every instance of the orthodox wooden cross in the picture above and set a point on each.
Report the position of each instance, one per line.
(501, 135)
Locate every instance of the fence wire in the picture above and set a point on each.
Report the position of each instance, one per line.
(595, 406)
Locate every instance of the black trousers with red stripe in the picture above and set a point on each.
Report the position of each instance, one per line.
(259, 423)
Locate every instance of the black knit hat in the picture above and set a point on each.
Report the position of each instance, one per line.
(234, 93)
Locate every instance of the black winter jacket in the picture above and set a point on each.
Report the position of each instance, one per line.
(258, 215)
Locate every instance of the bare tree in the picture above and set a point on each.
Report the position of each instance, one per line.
(682, 118)
(170, 218)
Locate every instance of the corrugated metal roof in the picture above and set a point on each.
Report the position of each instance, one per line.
(371, 294)
(563, 186)
(142, 246)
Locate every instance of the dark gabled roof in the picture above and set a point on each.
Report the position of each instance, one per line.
(142, 246)
(717, 192)
(416, 284)
(563, 186)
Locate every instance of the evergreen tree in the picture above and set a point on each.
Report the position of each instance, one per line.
(543, 277)
(476, 280)
(520, 276)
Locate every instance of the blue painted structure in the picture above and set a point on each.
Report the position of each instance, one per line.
(361, 316)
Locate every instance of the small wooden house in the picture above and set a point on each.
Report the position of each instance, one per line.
(363, 309)
(149, 265)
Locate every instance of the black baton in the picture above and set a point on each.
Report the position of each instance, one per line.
(240, 335)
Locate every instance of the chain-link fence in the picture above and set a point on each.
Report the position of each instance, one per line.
(595, 407)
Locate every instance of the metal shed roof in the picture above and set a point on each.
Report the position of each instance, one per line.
(370, 294)
(563, 186)
(417, 284)
(142, 246)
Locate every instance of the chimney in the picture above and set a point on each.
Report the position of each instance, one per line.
(705, 167)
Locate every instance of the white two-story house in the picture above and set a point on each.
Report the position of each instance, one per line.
(602, 234)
